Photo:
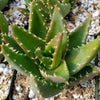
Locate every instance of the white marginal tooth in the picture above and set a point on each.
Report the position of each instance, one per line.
(30, 33)
(94, 48)
(14, 50)
(80, 75)
(88, 56)
(7, 54)
(25, 71)
(36, 4)
(20, 44)
(52, 7)
(28, 51)
(20, 65)
(14, 60)
(74, 70)
(1, 52)
(79, 65)
(39, 9)
(7, 44)
(17, 52)
(11, 48)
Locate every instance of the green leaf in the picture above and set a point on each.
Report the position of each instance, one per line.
(58, 75)
(12, 43)
(37, 24)
(49, 48)
(20, 62)
(24, 11)
(79, 57)
(57, 25)
(3, 24)
(3, 27)
(28, 41)
(79, 35)
(3, 4)
(51, 44)
(57, 55)
(28, 2)
(85, 74)
(65, 1)
(44, 88)
(65, 8)
(43, 10)
(46, 61)
(72, 2)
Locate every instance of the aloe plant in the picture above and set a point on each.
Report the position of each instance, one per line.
(48, 54)
(47, 6)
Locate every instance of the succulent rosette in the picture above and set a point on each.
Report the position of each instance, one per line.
(48, 54)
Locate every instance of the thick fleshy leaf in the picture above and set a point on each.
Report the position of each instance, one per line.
(65, 8)
(46, 61)
(49, 48)
(3, 3)
(72, 2)
(37, 24)
(85, 74)
(20, 62)
(65, 1)
(3, 28)
(51, 4)
(44, 9)
(58, 75)
(28, 41)
(44, 88)
(24, 11)
(79, 57)
(28, 2)
(79, 35)
(45, 1)
(56, 26)
(3, 24)
(12, 43)
(57, 55)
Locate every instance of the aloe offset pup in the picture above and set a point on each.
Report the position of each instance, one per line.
(49, 55)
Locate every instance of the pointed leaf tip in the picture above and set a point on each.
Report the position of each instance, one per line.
(56, 26)
(28, 41)
(80, 57)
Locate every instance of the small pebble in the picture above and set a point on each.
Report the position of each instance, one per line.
(31, 94)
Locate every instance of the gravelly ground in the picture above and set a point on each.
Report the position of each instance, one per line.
(85, 91)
